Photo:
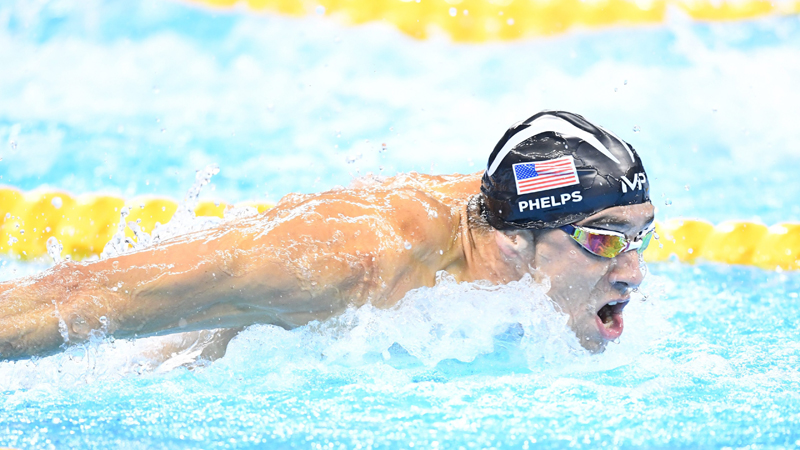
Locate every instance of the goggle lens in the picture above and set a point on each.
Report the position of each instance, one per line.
(607, 244)
(604, 245)
(646, 241)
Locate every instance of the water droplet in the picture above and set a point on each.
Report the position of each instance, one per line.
(466, 13)
(453, 12)
(320, 10)
(57, 202)
(54, 249)
(686, 187)
(13, 145)
(637, 129)
(625, 82)
(79, 326)
(182, 323)
(115, 264)
(407, 245)
(21, 231)
(510, 21)
(668, 202)
(163, 130)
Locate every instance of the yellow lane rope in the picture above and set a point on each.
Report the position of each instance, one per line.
(85, 223)
(82, 224)
(492, 20)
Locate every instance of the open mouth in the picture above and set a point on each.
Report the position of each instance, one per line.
(609, 319)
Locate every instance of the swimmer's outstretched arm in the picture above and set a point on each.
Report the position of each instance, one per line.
(288, 267)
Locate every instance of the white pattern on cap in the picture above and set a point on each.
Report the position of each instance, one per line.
(546, 124)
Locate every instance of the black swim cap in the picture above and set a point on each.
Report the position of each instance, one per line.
(557, 168)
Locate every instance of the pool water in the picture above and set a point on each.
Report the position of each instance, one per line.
(131, 98)
(709, 360)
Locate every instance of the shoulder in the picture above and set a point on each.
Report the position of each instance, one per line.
(420, 210)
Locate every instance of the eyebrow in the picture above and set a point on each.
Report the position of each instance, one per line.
(614, 221)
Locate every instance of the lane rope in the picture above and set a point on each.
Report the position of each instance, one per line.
(494, 20)
(84, 224)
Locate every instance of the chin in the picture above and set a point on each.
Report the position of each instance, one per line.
(595, 343)
(594, 346)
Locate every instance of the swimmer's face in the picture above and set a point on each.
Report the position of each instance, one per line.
(584, 285)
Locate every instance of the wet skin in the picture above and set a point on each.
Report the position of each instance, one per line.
(309, 258)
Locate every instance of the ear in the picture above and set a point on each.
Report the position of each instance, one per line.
(514, 244)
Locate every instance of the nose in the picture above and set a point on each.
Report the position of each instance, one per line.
(626, 274)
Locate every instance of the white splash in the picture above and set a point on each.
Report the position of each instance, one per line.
(509, 328)
(182, 222)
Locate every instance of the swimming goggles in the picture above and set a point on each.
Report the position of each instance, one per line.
(609, 244)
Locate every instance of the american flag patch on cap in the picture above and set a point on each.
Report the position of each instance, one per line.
(544, 175)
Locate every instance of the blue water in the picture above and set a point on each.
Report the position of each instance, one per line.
(708, 361)
(131, 98)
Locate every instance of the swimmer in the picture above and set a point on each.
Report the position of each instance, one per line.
(561, 199)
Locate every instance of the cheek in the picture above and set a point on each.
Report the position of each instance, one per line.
(573, 273)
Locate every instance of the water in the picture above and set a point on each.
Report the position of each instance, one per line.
(708, 361)
(133, 97)
(282, 104)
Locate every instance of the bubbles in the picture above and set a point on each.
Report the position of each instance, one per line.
(57, 202)
(453, 12)
(637, 128)
(668, 202)
(407, 245)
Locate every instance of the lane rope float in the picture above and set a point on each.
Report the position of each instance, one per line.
(84, 224)
(494, 20)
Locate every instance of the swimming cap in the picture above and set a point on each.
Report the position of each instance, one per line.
(557, 168)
